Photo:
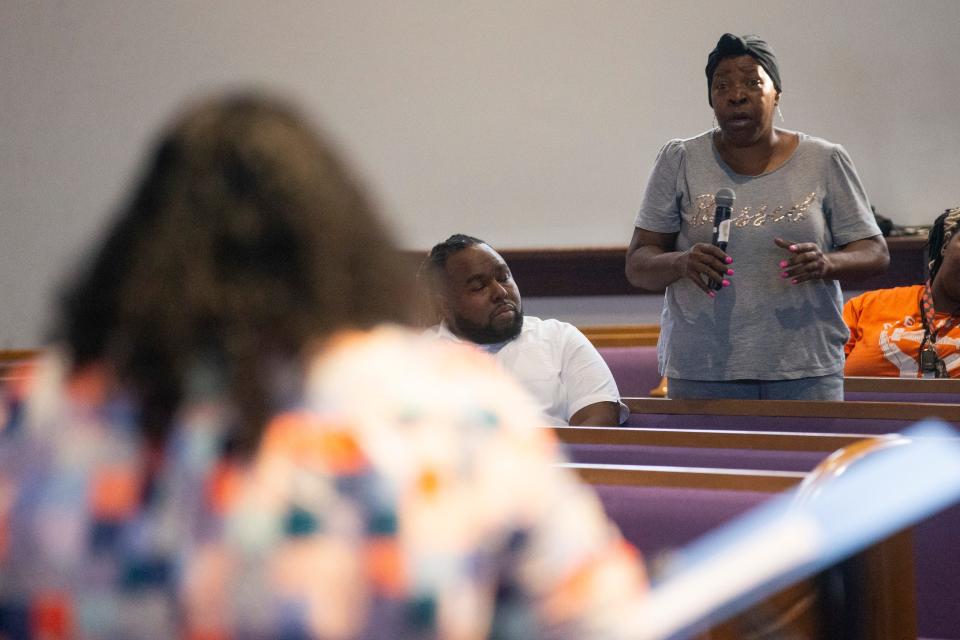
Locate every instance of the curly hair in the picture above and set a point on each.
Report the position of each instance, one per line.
(939, 237)
(246, 240)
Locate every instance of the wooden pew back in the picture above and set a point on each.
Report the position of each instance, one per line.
(786, 415)
(871, 594)
(700, 447)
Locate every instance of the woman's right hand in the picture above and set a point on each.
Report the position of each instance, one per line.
(704, 263)
(653, 263)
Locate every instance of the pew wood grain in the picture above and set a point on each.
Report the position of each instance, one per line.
(901, 385)
(797, 408)
(707, 438)
(686, 477)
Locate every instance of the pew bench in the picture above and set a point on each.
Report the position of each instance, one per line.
(660, 508)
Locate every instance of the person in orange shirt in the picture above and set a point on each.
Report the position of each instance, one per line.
(911, 332)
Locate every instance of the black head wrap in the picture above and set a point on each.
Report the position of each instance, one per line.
(730, 45)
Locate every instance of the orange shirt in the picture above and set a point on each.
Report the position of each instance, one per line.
(886, 330)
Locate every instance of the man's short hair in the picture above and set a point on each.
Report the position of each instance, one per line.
(436, 263)
(432, 272)
(454, 244)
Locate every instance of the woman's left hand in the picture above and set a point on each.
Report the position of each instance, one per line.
(807, 261)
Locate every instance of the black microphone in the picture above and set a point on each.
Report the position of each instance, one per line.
(721, 223)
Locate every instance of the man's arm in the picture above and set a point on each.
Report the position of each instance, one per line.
(591, 391)
(598, 414)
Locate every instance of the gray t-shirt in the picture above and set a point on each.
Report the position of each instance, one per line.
(761, 327)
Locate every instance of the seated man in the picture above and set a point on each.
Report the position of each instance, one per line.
(474, 293)
(914, 331)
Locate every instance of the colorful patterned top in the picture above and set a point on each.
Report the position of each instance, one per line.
(408, 496)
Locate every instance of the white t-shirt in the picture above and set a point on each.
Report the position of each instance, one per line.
(556, 364)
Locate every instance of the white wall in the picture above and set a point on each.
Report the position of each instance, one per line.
(526, 122)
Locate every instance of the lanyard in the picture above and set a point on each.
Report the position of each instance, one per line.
(930, 362)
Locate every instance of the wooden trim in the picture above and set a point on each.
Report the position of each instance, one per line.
(687, 478)
(884, 579)
(902, 385)
(12, 355)
(798, 408)
(705, 438)
(623, 335)
(599, 271)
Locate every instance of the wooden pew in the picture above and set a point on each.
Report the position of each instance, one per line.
(869, 418)
(933, 539)
(639, 498)
(631, 353)
(927, 390)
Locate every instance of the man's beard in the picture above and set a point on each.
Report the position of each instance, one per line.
(487, 333)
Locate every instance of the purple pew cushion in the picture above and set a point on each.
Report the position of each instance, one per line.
(937, 558)
(634, 369)
(658, 519)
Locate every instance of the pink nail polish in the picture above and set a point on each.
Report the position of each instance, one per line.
(784, 275)
(794, 281)
(793, 247)
(725, 283)
(729, 272)
(783, 263)
(711, 294)
(729, 260)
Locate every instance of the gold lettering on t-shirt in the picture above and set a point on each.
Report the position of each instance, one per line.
(704, 210)
(778, 214)
(761, 216)
(703, 207)
(798, 211)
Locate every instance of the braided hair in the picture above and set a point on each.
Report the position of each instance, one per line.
(943, 229)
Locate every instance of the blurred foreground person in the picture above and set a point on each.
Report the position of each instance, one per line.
(226, 445)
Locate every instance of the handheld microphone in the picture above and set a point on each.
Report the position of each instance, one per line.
(721, 223)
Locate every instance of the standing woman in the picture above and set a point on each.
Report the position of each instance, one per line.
(800, 222)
